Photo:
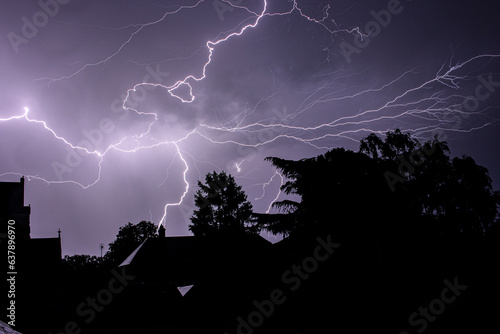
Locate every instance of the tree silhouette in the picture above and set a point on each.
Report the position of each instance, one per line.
(82, 262)
(396, 182)
(129, 237)
(454, 195)
(333, 189)
(395, 144)
(222, 207)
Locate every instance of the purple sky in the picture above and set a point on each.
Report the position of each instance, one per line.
(301, 81)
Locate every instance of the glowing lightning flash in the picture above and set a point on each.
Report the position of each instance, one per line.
(210, 45)
(186, 168)
(429, 106)
(265, 184)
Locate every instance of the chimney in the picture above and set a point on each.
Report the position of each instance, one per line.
(161, 232)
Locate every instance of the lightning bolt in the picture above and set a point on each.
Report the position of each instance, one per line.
(238, 165)
(432, 107)
(186, 189)
(420, 103)
(265, 184)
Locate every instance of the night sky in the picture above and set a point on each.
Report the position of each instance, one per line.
(220, 87)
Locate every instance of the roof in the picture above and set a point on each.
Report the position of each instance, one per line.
(45, 249)
(180, 260)
(171, 249)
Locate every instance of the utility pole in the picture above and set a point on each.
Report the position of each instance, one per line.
(102, 246)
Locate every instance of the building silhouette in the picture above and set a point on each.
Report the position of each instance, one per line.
(34, 251)
(37, 261)
(12, 208)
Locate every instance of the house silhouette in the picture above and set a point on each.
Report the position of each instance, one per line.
(187, 283)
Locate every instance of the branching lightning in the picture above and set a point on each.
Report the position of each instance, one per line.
(186, 168)
(265, 184)
(431, 102)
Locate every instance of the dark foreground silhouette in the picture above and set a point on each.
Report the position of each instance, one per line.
(395, 238)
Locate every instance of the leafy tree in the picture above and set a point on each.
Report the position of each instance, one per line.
(82, 262)
(129, 237)
(333, 188)
(222, 207)
(395, 182)
(455, 195)
(395, 144)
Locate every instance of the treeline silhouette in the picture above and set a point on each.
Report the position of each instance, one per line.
(388, 187)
